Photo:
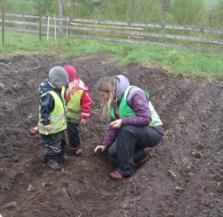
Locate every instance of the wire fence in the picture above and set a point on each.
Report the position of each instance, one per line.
(153, 34)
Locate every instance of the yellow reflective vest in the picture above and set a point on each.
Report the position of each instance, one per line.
(57, 116)
(73, 106)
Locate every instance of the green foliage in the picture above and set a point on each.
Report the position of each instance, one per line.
(187, 11)
(46, 7)
(192, 12)
(22, 6)
(131, 10)
(82, 10)
(112, 10)
(216, 15)
(1, 3)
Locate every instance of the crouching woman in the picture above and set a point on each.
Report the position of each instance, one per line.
(134, 125)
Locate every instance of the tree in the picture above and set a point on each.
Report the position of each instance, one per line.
(216, 15)
(60, 4)
(187, 11)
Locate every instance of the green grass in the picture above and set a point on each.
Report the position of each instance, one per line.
(175, 60)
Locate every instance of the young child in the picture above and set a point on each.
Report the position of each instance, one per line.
(52, 120)
(78, 107)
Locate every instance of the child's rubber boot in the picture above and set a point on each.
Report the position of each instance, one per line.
(53, 164)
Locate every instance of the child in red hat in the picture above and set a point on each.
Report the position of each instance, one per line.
(78, 107)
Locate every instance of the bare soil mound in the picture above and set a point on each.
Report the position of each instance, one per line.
(184, 176)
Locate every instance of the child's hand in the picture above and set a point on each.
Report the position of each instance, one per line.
(33, 131)
(83, 121)
(48, 127)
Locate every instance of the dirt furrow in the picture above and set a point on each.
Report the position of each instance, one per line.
(184, 176)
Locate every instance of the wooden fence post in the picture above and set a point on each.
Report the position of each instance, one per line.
(67, 27)
(48, 28)
(55, 28)
(40, 26)
(3, 25)
(39, 5)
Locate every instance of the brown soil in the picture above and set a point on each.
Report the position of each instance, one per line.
(184, 176)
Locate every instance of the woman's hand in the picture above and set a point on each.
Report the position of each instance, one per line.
(99, 148)
(116, 124)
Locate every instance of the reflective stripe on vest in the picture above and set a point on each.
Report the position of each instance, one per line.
(57, 116)
(126, 111)
(73, 107)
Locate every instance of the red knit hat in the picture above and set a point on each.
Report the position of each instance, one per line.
(71, 71)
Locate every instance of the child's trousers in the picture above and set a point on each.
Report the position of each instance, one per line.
(73, 135)
(53, 146)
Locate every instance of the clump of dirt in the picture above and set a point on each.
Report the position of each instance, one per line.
(184, 176)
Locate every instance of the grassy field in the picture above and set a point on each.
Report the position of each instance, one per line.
(174, 60)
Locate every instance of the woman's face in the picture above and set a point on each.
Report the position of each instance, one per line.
(103, 95)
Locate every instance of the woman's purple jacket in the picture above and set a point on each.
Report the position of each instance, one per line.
(138, 102)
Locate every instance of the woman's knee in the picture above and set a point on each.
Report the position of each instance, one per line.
(127, 130)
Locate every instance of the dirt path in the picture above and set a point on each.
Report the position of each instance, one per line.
(183, 178)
